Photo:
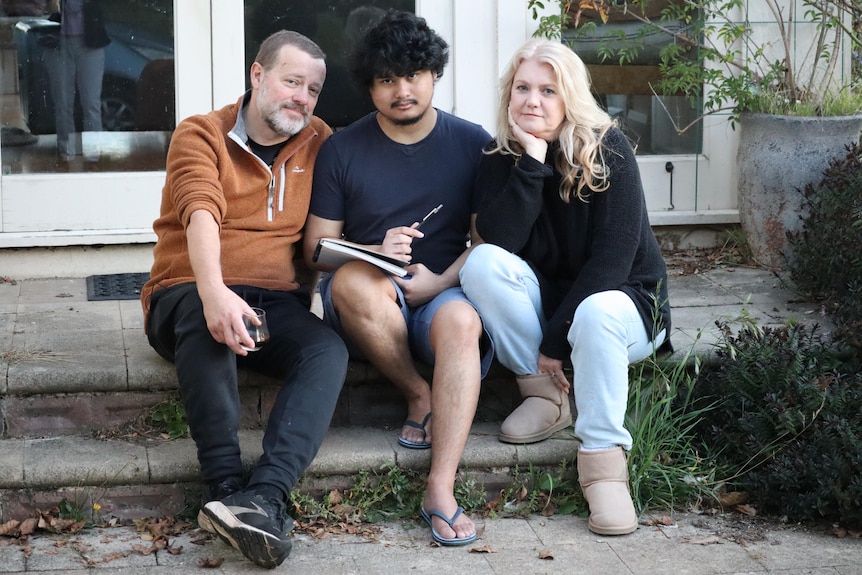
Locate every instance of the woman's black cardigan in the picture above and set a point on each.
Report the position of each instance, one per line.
(609, 242)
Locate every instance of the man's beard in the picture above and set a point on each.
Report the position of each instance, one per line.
(274, 117)
(285, 126)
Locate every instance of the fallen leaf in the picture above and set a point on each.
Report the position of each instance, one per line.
(749, 510)
(839, 531)
(9, 527)
(210, 562)
(335, 497)
(664, 521)
(733, 498)
(546, 554)
(708, 540)
(485, 549)
(114, 556)
(494, 503)
(144, 550)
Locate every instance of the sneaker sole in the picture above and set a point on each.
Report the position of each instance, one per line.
(204, 522)
(257, 545)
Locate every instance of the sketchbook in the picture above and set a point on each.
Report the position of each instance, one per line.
(334, 252)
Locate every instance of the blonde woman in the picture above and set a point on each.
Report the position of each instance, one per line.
(569, 268)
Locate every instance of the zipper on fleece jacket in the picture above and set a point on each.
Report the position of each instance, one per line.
(270, 200)
(270, 196)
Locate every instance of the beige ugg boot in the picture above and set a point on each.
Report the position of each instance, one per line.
(604, 479)
(545, 411)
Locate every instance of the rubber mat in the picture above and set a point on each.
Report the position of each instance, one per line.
(116, 286)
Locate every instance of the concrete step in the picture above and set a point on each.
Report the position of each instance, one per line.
(154, 477)
(58, 408)
(75, 366)
(49, 395)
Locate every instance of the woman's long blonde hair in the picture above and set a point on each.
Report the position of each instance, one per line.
(579, 156)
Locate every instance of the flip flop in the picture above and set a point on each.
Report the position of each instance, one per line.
(453, 541)
(416, 444)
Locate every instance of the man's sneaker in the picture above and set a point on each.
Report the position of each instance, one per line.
(253, 523)
(215, 492)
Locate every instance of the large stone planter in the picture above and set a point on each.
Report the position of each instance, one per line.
(778, 156)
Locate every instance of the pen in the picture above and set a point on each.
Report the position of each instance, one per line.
(425, 219)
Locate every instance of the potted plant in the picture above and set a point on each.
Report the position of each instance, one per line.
(779, 69)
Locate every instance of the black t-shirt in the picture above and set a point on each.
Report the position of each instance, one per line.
(372, 184)
(266, 153)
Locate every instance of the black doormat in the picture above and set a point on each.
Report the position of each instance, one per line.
(116, 286)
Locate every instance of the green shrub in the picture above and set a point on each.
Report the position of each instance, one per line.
(827, 262)
(786, 422)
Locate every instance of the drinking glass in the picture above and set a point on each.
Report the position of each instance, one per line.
(259, 333)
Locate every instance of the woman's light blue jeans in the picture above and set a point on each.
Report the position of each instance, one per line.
(607, 334)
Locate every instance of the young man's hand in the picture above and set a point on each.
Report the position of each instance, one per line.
(398, 242)
(420, 286)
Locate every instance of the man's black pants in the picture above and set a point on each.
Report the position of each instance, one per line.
(308, 356)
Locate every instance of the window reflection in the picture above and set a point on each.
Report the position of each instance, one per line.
(333, 25)
(94, 87)
(653, 122)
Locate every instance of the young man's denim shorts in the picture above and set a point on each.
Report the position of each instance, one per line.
(418, 323)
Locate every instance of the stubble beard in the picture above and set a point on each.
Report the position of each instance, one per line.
(407, 121)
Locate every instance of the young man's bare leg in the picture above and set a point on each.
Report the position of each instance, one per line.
(366, 302)
(455, 334)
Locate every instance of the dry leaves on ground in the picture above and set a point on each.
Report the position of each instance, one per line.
(698, 260)
(321, 528)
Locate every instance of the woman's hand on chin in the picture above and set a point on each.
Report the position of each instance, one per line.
(533, 145)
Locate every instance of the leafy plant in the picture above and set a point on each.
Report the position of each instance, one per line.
(470, 492)
(787, 421)
(827, 262)
(541, 491)
(716, 54)
(387, 493)
(70, 510)
(170, 415)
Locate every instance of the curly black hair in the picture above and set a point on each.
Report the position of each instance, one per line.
(399, 44)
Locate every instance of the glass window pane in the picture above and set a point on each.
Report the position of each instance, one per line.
(333, 25)
(652, 122)
(94, 87)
